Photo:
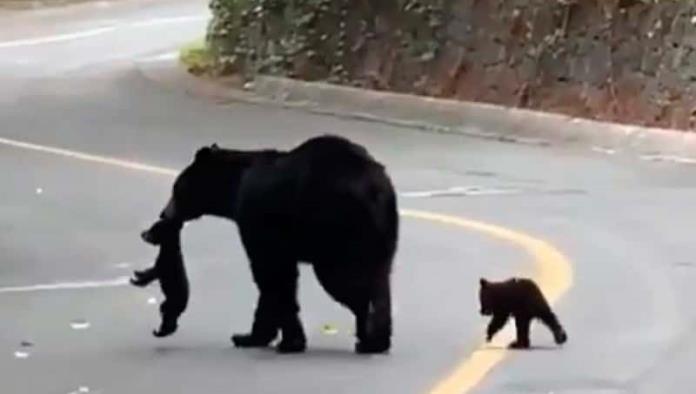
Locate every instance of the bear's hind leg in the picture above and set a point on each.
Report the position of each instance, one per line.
(379, 320)
(169, 323)
(522, 323)
(551, 321)
(345, 289)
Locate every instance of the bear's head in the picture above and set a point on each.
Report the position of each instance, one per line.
(162, 231)
(486, 297)
(207, 186)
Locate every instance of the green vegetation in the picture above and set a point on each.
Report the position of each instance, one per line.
(318, 39)
(197, 57)
(628, 60)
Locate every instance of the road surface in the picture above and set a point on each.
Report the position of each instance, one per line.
(70, 79)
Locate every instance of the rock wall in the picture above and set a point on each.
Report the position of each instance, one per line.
(631, 61)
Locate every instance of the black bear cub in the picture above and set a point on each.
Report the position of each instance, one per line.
(169, 270)
(521, 299)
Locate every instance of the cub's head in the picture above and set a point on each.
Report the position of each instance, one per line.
(162, 231)
(486, 297)
(206, 186)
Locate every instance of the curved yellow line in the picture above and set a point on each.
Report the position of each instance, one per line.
(554, 274)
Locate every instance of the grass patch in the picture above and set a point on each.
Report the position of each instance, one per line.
(197, 57)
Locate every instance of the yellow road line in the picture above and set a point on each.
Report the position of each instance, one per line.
(554, 271)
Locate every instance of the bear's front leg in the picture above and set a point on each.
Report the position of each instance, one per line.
(294, 339)
(264, 329)
(497, 323)
(277, 308)
(273, 314)
(144, 277)
(288, 309)
(275, 273)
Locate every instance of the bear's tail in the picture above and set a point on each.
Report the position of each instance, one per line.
(390, 224)
(383, 211)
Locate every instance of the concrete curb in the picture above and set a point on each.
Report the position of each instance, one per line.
(479, 120)
(439, 115)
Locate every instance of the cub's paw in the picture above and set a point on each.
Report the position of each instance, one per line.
(143, 278)
(519, 345)
(166, 329)
(560, 337)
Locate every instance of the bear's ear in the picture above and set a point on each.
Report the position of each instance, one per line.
(202, 153)
(483, 282)
(214, 146)
(205, 152)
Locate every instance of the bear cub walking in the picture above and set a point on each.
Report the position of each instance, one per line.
(169, 270)
(521, 299)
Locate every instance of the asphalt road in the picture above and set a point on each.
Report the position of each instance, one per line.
(625, 224)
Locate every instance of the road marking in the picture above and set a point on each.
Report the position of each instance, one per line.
(161, 57)
(120, 281)
(88, 157)
(460, 191)
(607, 151)
(554, 271)
(669, 158)
(100, 31)
(55, 38)
(169, 20)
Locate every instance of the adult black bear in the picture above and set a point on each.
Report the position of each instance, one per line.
(326, 202)
(169, 270)
(521, 298)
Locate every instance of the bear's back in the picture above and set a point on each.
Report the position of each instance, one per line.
(330, 190)
(516, 295)
(334, 155)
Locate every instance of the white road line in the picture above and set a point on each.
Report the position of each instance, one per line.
(120, 281)
(170, 20)
(87, 157)
(458, 191)
(600, 149)
(669, 158)
(55, 38)
(100, 31)
(159, 58)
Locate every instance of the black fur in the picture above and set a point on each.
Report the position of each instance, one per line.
(522, 299)
(326, 202)
(169, 270)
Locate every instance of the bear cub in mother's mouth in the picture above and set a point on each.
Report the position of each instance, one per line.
(169, 270)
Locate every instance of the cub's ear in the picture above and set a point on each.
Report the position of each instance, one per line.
(204, 152)
(214, 146)
(483, 282)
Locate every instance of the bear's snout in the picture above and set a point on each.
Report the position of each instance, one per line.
(147, 237)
